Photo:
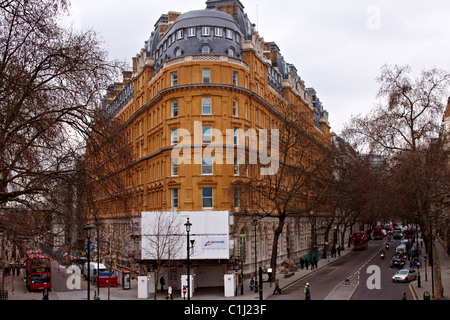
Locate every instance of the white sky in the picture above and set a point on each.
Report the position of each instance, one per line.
(337, 46)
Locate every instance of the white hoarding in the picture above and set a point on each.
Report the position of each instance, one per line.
(164, 235)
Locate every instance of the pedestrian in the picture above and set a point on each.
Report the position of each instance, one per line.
(162, 281)
(307, 292)
(169, 292)
(339, 250)
(404, 296)
(277, 287)
(315, 261)
(45, 294)
(333, 252)
(306, 263)
(302, 263)
(252, 284)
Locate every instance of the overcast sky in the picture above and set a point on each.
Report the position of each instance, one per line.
(337, 46)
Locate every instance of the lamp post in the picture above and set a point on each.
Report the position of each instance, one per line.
(188, 229)
(430, 253)
(88, 229)
(255, 224)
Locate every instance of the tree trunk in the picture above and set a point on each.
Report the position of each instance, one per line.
(276, 237)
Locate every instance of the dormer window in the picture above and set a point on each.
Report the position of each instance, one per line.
(218, 32)
(206, 49)
(191, 32)
(180, 34)
(205, 31)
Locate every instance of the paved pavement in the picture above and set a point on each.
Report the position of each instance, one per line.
(343, 291)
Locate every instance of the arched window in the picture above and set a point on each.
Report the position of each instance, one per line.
(206, 49)
(231, 52)
(177, 52)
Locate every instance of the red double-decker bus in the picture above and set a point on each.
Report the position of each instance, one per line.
(38, 271)
(360, 240)
(378, 233)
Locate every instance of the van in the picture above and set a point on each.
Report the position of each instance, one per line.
(95, 269)
(397, 234)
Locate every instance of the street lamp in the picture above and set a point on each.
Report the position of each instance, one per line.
(255, 223)
(430, 253)
(188, 229)
(88, 229)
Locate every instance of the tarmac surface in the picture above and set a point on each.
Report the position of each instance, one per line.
(343, 291)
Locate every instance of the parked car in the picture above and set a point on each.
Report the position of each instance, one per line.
(405, 275)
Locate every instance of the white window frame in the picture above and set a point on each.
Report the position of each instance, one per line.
(229, 34)
(207, 166)
(218, 32)
(206, 138)
(180, 34)
(174, 78)
(207, 198)
(206, 75)
(235, 108)
(206, 31)
(174, 136)
(174, 197)
(191, 32)
(174, 167)
(206, 102)
(174, 108)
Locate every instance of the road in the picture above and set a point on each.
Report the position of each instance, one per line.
(354, 265)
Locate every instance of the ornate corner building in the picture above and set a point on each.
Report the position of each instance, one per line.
(203, 76)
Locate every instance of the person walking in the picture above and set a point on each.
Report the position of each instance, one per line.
(162, 281)
(277, 287)
(45, 294)
(307, 292)
(169, 292)
(314, 262)
(302, 263)
(252, 284)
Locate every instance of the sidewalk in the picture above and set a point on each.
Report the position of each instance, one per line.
(426, 286)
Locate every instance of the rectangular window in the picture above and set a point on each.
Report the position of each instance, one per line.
(235, 108)
(174, 167)
(174, 136)
(229, 34)
(206, 75)
(206, 134)
(175, 108)
(180, 34)
(205, 31)
(207, 197)
(218, 32)
(174, 78)
(236, 136)
(236, 198)
(235, 78)
(191, 32)
(174, 196)
(207, 165)
(206, 106)
(236, 166)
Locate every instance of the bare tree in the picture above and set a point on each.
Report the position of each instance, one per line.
(163, 243)
(402, 128)
(299, 184)
(51, 79)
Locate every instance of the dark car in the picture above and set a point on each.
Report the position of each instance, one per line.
(398, 261)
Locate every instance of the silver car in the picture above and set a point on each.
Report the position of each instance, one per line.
(405, 275)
